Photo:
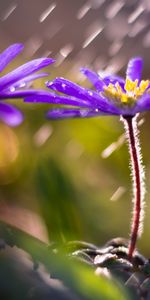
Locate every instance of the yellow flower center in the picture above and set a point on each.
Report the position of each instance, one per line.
(132, 91)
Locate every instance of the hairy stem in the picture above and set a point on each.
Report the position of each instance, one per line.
(138, 183)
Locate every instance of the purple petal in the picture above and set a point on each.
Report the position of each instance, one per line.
(114, 79)
(24, 71)
(60, 113)
(10, 115)
(9, 54)
(94, 78)
(51, 98)
(70, 88)
(142, 104)
(20, 94)
(47, 97)
(93, 98)
(23, 82)
(134, 68)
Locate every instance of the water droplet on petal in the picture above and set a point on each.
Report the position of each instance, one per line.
(52, 85)
(22, 84)
(90, 93)
(12, 89)
(49, 83)
(83, 113)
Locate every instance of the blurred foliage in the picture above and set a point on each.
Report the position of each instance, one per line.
(76, 276)
(59, 202)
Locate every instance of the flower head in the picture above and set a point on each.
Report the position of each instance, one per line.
(11, 84)
(113, 96)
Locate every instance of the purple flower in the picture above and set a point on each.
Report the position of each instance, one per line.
(11, 84)
(113, 96)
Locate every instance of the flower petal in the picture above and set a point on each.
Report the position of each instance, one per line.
(23, 82)
(70, 88)
(20, 94)
(9, 54)
(52, 98)
(10, 115)
(134, 68)
(60, 113)
(114, 79)
(24, 71)
(94, 78)
(143, 104)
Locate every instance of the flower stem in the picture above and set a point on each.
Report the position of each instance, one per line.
(138, 184)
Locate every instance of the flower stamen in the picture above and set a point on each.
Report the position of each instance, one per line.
(131, 86)
(132, 91)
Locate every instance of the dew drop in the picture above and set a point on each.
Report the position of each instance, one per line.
(22, 84)
(12, 89)
(49, 83)
(63, 85)
(90, 93)
(83, 113)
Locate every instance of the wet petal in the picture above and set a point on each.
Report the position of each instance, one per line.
(24, 71)
(52, 98)
(23, 82)
(10, 115)
(94, 99)
(20, 94)
(94, 78)
(9, 54)
(134, 68)
(70, 88)
(60, 113)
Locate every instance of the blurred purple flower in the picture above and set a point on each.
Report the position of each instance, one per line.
(12, 83)
(113, 96)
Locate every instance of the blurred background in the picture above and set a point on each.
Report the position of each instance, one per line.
(66, 180)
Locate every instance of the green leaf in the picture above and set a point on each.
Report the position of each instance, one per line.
(79, 278)
(58, 201)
